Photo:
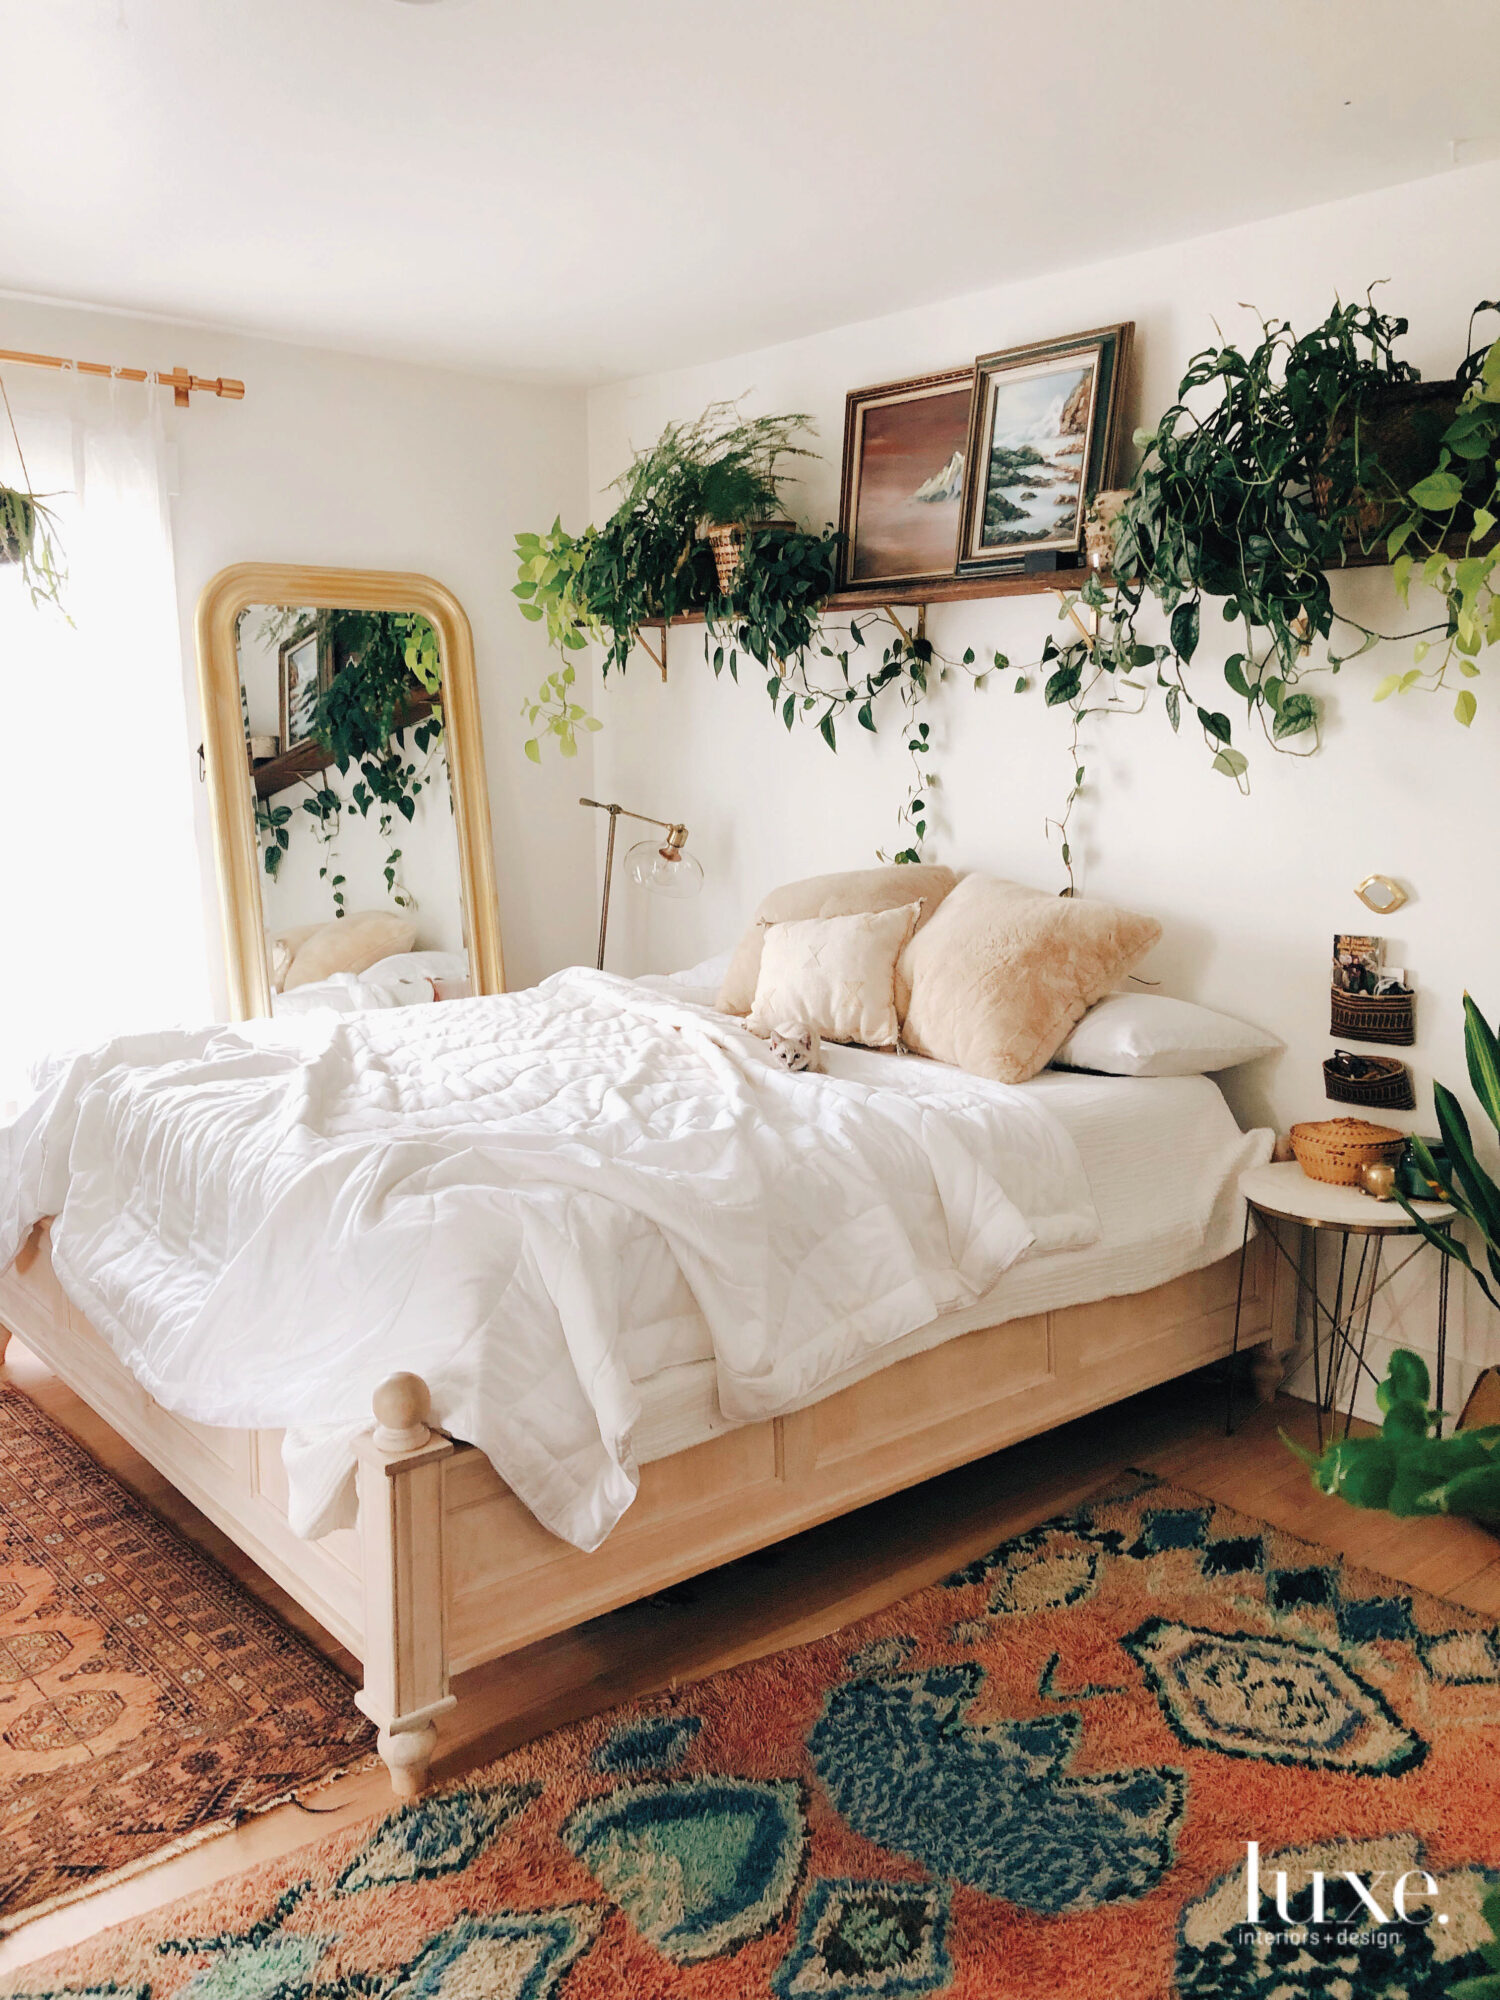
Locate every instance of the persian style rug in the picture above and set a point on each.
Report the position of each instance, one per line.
(1038, 1779)
(145, 1700)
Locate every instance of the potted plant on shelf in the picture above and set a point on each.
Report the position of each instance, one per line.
(698, 529)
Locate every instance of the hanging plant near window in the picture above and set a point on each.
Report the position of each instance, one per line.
(28, 532)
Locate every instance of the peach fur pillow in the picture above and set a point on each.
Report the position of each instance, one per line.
(856, 891)
(1001, 975)
(836, 975)
(350, 944)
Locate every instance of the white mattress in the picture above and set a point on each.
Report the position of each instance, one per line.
(1163, 1156)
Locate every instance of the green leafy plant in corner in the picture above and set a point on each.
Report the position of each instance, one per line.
(1408, 1469)
(1448, 536)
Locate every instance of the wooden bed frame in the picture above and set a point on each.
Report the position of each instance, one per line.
(446, 1568)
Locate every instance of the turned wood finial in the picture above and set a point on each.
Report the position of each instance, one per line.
(402, 1406)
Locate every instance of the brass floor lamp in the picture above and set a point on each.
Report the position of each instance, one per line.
(660, 866)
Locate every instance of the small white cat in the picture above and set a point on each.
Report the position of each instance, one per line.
(797, 1046)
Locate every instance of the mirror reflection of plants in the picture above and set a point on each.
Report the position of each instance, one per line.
(385, 663)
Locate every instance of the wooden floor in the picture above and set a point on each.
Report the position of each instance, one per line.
(798, 1591)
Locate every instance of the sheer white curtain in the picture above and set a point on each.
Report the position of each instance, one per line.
(101, 925)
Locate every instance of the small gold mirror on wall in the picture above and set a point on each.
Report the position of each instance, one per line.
(380, 876)
(1380, 894)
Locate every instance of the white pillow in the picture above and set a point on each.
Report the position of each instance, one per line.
(1144, 1034)
(834, 974)
(349, 944)
(417, 976)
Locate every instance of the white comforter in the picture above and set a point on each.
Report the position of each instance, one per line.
(265, 1221)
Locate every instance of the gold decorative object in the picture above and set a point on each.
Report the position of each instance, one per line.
(1378, 1179)
(1380, 894)
(227, 768)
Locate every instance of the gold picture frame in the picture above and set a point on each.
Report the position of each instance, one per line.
(1043, 438)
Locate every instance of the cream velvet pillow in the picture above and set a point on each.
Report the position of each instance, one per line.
(835, 974)
(350, 944)
(1001, 974)
(859, 889)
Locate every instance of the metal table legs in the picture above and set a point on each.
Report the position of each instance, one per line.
(1333, 1368)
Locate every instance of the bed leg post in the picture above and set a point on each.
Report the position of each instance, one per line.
(401, 1532)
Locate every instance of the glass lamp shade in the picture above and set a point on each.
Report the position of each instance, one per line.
(667, 870)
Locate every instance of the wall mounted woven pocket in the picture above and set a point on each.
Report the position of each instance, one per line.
(1374, 1017)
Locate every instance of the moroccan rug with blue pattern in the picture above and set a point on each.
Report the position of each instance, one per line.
(1040, 1778)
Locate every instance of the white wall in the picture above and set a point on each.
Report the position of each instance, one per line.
(1249, 890)
(339, 459)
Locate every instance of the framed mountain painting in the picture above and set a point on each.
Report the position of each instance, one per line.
(1043, 437)
(902, 498)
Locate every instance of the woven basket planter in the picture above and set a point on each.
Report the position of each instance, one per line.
(1387, 1087)
(1335, 1149)
(1403, 427)
(1372, 1017)
(729, 540)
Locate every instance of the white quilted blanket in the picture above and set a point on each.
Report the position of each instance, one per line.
(265, 1221)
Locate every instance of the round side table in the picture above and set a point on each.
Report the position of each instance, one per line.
(1282, 1193)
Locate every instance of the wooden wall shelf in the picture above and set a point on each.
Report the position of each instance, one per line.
(951, 590)
(292, 767)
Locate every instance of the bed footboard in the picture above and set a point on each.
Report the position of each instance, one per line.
(401, 1468)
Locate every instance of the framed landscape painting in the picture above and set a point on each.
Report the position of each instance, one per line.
(902, 500)
(1043, 437)
(301, 681)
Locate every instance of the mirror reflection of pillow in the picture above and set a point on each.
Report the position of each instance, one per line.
(282, 948)
(413, 977)
(351, 944)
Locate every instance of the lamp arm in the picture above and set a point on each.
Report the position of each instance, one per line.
(645, 818)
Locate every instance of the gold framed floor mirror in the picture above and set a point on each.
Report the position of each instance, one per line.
(395, 848)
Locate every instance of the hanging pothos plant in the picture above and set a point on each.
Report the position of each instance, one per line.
(383, 661)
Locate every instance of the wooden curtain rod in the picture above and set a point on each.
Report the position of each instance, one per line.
(179, 380)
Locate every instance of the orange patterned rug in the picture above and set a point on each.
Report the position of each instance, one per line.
(1037, 1781)
(145, 1700)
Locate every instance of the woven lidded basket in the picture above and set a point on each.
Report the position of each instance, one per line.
(1374, 1017)
(729, 541)
(1334, 1149)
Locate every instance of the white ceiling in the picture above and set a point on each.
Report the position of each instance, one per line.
(584, 189)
